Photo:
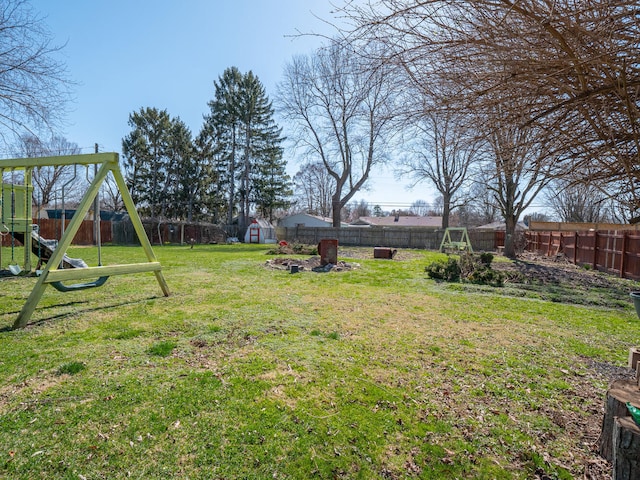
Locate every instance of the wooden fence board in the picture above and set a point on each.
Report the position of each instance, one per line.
(51, 229)
(613, 251)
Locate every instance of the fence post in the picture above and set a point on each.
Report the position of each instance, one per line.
(595, 249)
(623, 253)
(575, 247)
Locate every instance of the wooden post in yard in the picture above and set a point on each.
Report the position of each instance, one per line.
(626, 449)
(623, 253)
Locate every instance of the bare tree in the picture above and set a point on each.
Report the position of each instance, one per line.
(481, 207)
(569, 68)
(314, 188)
(359, 209)
(518, 162)
(33, 83)
(440, 152)
(339, 108)
(420, 208)
(49, 181)
(578, 202)
(111, 198)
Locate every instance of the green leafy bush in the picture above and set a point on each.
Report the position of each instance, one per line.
(486, 276)
(486, 258)
(449, 271)
(470, 268)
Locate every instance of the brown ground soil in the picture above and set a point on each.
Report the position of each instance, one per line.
(558, 280)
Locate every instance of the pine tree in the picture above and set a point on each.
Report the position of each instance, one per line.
(221, 127)
(213, 181)
(261, 139)
(272, 185)
(145, 158)
(186, 174)
(243, 140)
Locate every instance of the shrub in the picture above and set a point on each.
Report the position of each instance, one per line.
(486, 258)
(486, 276)
(449, 271)
(470, 268)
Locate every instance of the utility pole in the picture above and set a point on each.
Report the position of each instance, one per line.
(96, 214)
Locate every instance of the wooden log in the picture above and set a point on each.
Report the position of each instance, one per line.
(620, 392)
(626, 449)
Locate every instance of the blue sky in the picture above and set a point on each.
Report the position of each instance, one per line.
(127, 54)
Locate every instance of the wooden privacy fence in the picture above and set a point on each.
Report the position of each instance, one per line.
(123, 233)
(611, 251)
(395, 237)
(51, 229)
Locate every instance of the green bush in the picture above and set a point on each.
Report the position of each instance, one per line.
(449, 271)
(486, 258)
(470, 268)
(486, 276)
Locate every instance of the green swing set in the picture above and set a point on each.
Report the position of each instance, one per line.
(17, 221)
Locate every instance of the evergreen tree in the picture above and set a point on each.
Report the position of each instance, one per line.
(220, 132)
(272, 185)
(186, 175)
(214, 178)
(245, 144)
(146, 160)
(261, 139)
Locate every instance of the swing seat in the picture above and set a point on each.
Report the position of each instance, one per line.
(15, 269)
(61, 287)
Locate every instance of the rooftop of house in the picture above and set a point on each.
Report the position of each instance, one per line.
(400, 221)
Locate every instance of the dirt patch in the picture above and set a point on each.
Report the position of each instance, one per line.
(311, 264)
(556, 279)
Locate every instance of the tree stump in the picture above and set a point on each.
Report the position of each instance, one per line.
(620, 392)
(626, 449)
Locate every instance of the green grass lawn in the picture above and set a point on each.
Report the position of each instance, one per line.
(249, 372)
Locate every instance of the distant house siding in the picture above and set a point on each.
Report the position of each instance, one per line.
(303, 220)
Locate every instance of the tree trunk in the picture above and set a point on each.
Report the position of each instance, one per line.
(509, 237)
(336, 206)
(626, 449)
(446, 211)
(620, 392)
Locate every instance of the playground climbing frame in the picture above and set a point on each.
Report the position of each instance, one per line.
(107, 163)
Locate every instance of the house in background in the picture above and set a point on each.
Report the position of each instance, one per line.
(399, 221)
(306, 220)
(500, 227)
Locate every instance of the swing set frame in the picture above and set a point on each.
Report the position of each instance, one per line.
(52, 273)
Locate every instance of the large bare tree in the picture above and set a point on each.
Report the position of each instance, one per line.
(578, 202)
(340, 111)
(569, 69)
(518, 162)
(440, 151)
(33, 80)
